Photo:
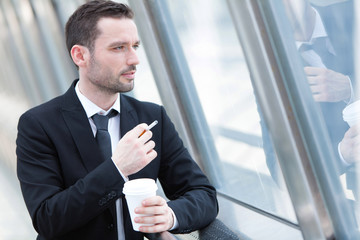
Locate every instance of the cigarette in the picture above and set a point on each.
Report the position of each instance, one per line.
(149, 127)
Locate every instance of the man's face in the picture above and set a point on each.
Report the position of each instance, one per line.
(113, 60)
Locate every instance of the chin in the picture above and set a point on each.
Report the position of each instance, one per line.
(126, 88)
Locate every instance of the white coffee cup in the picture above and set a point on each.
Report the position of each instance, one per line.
(351, 114)
(135, 192)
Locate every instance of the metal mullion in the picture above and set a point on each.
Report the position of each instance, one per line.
(160, 70)
(61, 66)
(175, 83)
(33, 44)
(17, 48)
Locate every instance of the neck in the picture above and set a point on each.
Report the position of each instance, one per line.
(103, 99)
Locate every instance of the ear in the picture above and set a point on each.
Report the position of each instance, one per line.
(80, 55)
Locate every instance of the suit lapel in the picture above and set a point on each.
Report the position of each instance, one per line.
(128, 116)
(79, 126)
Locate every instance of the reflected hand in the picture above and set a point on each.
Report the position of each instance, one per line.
(350, 145)
(328, 85)
(160, 215)
(132, 152)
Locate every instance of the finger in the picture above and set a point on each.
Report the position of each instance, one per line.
(154, 229)
(145, 136)
(151, 155)
(140, 128)
(312, 80)
(136, 131)
(154, 201)
(321, 97)
(152, 211)
(314, 71)
(159, 223)
(144, 131)
(317, 80)
(315, 89)
(352, 132)
(149, 146)
(153, 205)
(155, 219)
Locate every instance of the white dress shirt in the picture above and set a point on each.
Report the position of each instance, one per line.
(114, 131)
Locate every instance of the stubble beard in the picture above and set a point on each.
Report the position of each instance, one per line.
(108, 82)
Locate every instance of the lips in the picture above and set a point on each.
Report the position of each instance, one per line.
(129, 75)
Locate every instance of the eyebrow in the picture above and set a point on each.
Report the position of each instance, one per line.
(120, 43)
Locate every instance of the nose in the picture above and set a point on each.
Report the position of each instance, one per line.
(132, 58)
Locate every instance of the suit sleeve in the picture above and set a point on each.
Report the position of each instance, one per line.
(55, 209)
(192, 197)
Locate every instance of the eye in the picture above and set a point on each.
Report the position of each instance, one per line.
(136, 47)
(119, 48)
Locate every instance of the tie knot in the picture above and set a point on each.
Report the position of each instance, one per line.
(101, 121)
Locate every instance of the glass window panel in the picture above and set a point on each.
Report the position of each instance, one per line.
(51, 34)
(224, 87)
(145, 88)
(324, 38)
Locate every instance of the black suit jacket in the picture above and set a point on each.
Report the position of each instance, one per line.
(70, 191)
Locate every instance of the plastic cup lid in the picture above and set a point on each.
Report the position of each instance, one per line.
(139, 186)
(352, 109)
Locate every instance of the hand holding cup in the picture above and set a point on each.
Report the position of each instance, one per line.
(136, 191)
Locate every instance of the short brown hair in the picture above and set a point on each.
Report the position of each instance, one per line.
(81, 28)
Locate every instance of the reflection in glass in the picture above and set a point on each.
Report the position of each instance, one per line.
(224, 87)
(323, 34)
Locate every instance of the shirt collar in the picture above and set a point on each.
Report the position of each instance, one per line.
(91, 108)
(319, 31)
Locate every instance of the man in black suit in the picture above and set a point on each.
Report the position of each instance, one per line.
(323, 37)
(339, 21)
(73, 190)
(330, 37)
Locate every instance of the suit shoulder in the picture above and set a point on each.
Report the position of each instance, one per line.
(50, 107)
(135, 103)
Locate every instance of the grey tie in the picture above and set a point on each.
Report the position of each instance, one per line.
(319, 46)
(102, 134)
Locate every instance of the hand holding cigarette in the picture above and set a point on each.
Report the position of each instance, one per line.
(134, 151)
